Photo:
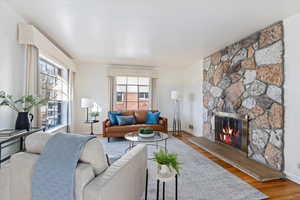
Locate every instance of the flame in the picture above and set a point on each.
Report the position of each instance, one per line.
(228, 134)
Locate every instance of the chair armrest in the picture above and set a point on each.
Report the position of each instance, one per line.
(4, 182)
(125, 179)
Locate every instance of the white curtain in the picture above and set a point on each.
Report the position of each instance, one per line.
(31, 85)
(111, 89)
(71, 118)
(154, 93)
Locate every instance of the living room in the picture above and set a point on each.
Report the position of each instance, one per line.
(121, 88)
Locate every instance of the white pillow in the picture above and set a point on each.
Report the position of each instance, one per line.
(93, 152)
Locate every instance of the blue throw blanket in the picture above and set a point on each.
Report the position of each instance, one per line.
(54, 172)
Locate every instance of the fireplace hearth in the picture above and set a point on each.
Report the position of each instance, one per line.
(232, 129)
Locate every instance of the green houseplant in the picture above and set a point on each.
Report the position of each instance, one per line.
(168, 164)
(22, 106)
(95, 114)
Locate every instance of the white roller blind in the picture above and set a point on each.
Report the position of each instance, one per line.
(139, 71)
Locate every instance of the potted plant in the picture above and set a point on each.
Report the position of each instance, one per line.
(168, 165)
(95, 115)
(22, 106)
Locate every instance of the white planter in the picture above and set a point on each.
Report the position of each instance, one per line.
(165, 173)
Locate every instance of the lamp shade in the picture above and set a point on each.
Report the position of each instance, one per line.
(85, 103)
(174, 95)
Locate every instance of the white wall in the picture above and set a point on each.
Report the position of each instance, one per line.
(92, 82)
(292, 97)
(12, 62)
(192, 99)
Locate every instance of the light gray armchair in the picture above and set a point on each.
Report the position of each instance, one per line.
(125, 179)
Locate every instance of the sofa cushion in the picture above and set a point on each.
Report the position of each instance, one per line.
(127, 112)
(152, 117)
(140, 116)
(113, 117)
(126, 120)
(93, 152)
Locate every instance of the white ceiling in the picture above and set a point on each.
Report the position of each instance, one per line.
(172, 33)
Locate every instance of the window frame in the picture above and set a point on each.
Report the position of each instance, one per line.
(124, 96)
(58, 111)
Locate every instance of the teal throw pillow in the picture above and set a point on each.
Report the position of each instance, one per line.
(125, 120)
(152, 118)
(113, 117)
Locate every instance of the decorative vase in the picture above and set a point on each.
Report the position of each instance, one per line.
(165, 172)
(23, 121)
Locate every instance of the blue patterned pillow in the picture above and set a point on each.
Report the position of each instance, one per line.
(125, 120)
(113, 117)
(152, 118)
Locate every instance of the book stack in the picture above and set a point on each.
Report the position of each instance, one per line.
(7, 133)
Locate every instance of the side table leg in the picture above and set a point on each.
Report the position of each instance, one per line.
(176, 186)
(164, 185)
(146, 190)
(157, 190)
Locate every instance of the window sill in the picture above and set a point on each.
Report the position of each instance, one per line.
(52, 130)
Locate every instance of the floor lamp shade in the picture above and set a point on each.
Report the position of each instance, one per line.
(174, 95)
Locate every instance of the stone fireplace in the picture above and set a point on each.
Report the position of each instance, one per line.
(232, 129)
(246, 78)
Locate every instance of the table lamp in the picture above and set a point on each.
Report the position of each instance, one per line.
(86, 103)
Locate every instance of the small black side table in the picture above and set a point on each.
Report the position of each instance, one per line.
(92, 122)
(164, 185)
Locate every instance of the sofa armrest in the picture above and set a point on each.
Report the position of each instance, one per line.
(106, 123)
(164, 122)
(4, 183)
(125, 179)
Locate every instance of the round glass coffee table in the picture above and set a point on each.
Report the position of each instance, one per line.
(134, 138)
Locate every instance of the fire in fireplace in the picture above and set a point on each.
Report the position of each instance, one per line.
(232, 130)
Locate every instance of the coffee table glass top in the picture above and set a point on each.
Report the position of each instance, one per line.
(134, 137)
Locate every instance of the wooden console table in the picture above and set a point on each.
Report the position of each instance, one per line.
(14, 139)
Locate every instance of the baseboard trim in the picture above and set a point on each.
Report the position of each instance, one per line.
(292, 177)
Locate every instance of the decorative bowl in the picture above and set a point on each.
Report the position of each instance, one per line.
(147, 135)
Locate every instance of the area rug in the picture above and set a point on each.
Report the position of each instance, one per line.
(199, 179)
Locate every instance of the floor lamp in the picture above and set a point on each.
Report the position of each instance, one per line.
(176, 117)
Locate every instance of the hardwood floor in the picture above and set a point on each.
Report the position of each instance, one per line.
(277, 190)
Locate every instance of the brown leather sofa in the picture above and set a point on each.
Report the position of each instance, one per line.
(140, 117)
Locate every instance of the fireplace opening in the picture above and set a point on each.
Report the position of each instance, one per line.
(232, 129)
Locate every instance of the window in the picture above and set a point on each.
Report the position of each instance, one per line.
(54, 85)
(133, 93)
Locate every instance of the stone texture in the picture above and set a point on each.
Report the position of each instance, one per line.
(206, 63)
(257, 88)
(241, 55)
(255, 112)
(220, 104)
(276, 116)
(259, 158)
(216, 92)
(249, 63)
(264, 102)
(272, 74)
(249, 103)
(235, 77)
(276, 138)
(206, 129)
(211, 103)
(260, 139)
(269, 55)
(218, 75)
(205, 101)
(234, 91)
(233, 49)
(250, 52)
(224, 83)
(262, 121)
(250, 40)
(270, 35)
(250, 76)
(216, 58)
(274, 156)
(275, 93)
